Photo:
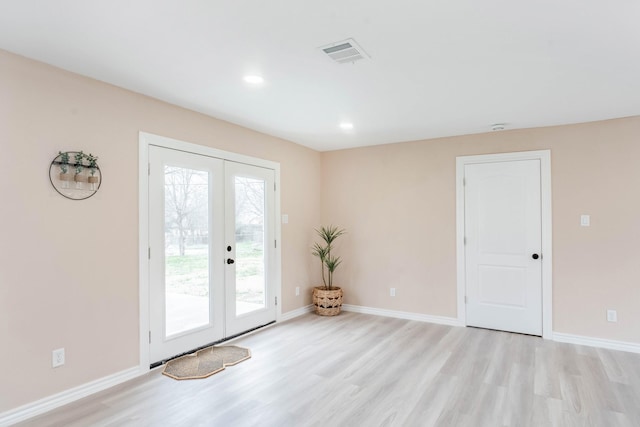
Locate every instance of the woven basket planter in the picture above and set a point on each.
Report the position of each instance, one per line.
(327, 302)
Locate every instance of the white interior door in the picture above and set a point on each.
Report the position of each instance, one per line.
(503, 246)
(250, 246)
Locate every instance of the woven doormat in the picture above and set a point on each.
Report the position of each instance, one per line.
(206, 362)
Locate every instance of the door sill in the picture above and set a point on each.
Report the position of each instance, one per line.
(162, 362)
(503, 330)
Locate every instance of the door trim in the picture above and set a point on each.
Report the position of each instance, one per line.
(545, 186)
(144, 141)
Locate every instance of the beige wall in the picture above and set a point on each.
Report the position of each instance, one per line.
(69, 269)
(398, 204)
(69, 273)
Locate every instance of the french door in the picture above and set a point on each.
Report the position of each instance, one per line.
(211, 238)
(249, 231)
(503, 245)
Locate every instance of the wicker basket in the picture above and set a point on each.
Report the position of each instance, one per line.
(327, 302)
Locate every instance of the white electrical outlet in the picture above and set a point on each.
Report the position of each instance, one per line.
(57, 358)
(392, 292)
(612, 316)
(297, 291)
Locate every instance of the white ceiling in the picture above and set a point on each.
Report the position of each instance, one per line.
(437, 67)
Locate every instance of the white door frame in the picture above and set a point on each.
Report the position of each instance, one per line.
(145, 140)
(545, 186)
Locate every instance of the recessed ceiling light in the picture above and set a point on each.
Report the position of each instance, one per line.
(346, 126)
(253, 79)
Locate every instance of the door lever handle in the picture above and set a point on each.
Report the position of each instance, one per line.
(535, 256)
(230, 261)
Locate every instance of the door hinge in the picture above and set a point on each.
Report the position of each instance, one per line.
(464, 181)
(276, 300)
(275, 243)
(464, 239)
(149, 254)
(465, 299)
(274, 186)
(148, 168)
(149, 337)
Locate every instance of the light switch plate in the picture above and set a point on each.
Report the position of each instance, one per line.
(585, 220)
(285, 219)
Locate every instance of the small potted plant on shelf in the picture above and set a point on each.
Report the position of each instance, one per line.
(93, 167)
(79, 178)
(327, 299)
(65, 176)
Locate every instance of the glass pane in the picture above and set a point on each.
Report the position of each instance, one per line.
(186, 236)
(250, 279)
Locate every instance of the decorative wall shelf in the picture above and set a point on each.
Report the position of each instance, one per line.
(75, 175)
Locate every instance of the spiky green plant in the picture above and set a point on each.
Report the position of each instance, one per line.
(323, 252)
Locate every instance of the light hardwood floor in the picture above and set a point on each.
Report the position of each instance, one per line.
(362, 370)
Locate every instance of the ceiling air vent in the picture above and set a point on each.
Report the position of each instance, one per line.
(344, 51)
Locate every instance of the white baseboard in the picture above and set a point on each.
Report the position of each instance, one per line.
(597, 342)
(441, 320)
(295, 313)
(49, 403)
(556, 336)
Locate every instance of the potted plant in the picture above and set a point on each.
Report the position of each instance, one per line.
(65, 176)
(93, 167)
(78, 177)
(327, 299)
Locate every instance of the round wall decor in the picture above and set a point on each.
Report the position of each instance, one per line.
(75, 175)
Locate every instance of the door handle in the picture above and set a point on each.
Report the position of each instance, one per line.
(230, 261)
(535, 256)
